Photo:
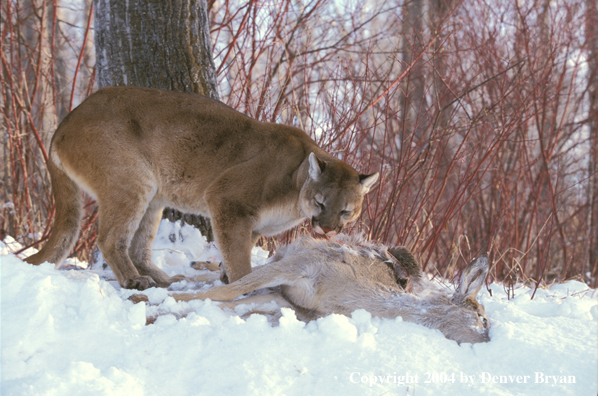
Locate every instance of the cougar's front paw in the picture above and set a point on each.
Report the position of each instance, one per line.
(140, 283)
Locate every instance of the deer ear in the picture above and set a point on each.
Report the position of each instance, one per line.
(315, 166)
(407, 261)
(367, 181)
(406, 268)
(472, 279)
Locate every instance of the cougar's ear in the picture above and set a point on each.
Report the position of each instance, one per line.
(315, 166)
(472, 279)
(367, 181)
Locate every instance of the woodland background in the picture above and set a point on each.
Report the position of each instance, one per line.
(481, 115)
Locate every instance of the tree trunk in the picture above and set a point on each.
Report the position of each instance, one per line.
(439, 10)
(592, 45)
(414, 103)
(61, 72)
(156, 44)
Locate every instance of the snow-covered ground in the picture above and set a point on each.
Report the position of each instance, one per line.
(73, 332)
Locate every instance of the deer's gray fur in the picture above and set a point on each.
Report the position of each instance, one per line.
(325, 277)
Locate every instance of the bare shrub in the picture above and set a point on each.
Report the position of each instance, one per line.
(478, 118)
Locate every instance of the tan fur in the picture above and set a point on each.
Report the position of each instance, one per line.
(138, 150)
(330, 277)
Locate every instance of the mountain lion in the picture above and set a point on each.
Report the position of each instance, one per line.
(137, 150)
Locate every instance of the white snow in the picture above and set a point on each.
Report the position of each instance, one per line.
(72, 332)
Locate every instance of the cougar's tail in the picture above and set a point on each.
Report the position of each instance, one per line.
(67, 221)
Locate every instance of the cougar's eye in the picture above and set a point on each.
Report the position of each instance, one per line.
(319, 203)
(345, 213)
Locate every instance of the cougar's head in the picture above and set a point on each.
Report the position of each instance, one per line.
(332, 194)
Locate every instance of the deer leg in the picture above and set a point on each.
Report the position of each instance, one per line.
(260, 300)
(269, 275)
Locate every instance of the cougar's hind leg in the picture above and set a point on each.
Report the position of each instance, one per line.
(121, 210)
(140, 250)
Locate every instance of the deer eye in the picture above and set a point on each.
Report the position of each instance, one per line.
(345, 213)
(485, 322)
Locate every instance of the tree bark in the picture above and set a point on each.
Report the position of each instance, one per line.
(156, 44)
(592, 45)
(414, 103)
(61, 72)
(439, 10)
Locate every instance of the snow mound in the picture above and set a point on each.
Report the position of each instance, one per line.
(74, 332)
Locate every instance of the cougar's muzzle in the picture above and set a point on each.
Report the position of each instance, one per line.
(325, 228)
